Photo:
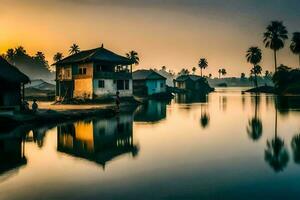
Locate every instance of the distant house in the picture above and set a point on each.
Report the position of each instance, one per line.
(93, 73)
(12, 83)
(148, 82)
(191, 83)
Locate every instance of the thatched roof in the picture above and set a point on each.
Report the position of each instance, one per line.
(147, 75)
(10, 73)
(95, 55)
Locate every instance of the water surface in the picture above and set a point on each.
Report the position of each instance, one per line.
(226, 145)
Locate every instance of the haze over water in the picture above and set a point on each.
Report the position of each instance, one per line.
(190, 148)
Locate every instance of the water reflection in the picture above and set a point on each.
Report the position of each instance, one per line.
(12, 153)
(37, 135)
(98, 140)
(295, 144)
(276, 153)
(285, 104)
(255, 128)
(152, 111)
(189, 98)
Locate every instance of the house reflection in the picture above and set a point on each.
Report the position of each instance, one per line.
(190, 98)
(151, 111)
(12, 153)
(98, 140)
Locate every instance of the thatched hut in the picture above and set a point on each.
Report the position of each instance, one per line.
(12, 83)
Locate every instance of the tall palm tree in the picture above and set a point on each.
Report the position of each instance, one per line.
(274, 37)
(74, 49)
(194, 70)
(57, 57)
(223, 72)
(202, 64)
(254, 56)
(256, 70)
(134, 57)
(220, 72)
(295, 45)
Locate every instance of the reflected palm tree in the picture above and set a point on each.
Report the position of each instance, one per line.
(295, 144)
(255, 128)
(204, 119)
(276, 154)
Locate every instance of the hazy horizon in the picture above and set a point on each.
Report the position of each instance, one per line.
(174, 33)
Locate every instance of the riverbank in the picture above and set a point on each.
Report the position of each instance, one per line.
(58, 113)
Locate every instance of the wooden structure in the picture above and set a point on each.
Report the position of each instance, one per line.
(12, 83)
(93, 73)
(148, 82)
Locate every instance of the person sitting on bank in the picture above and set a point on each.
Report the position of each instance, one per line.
(34, 106)
(118, 102)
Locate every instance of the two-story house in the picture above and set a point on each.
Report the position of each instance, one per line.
(92, 74)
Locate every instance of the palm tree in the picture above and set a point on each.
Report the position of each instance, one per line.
(274, 37)
(74, 49)
(194, 70)
(20, 51)
(220, 72)
(223, 72)
(57, 57)
(134, 57)
(202, 64)
(254, 56)
(256, 70)
(295, 45)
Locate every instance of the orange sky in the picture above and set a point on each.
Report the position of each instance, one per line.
(172, 34)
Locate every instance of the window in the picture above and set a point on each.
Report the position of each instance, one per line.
(126, 84)
(122, 84)
(101, 84)
(162, 85)
(82, 70)
(98, 68)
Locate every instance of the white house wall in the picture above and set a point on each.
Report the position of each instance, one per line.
(110, 88)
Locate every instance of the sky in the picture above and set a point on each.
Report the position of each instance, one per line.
(171, 33)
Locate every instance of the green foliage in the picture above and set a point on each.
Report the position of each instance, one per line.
(74, 49)
(134, 56)
(21, 59)
(254, 55)
(285, 78)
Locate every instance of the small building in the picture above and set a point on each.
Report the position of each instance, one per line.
(148, 82)
(192, 83)
(93, 73)
(12, 83)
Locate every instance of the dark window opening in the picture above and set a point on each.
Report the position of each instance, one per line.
(82, 70)
(101, 84)
(122, 84)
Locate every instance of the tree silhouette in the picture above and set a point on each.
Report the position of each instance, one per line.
(134, 57)
(274, 38)
(255, 127)
(295, 45)
(57, 57)
(256, 70)
(222, 72)
(254, 57)
(295, 144)
(194, 70)
(74, 49)
(276, 154)
(202, 64)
